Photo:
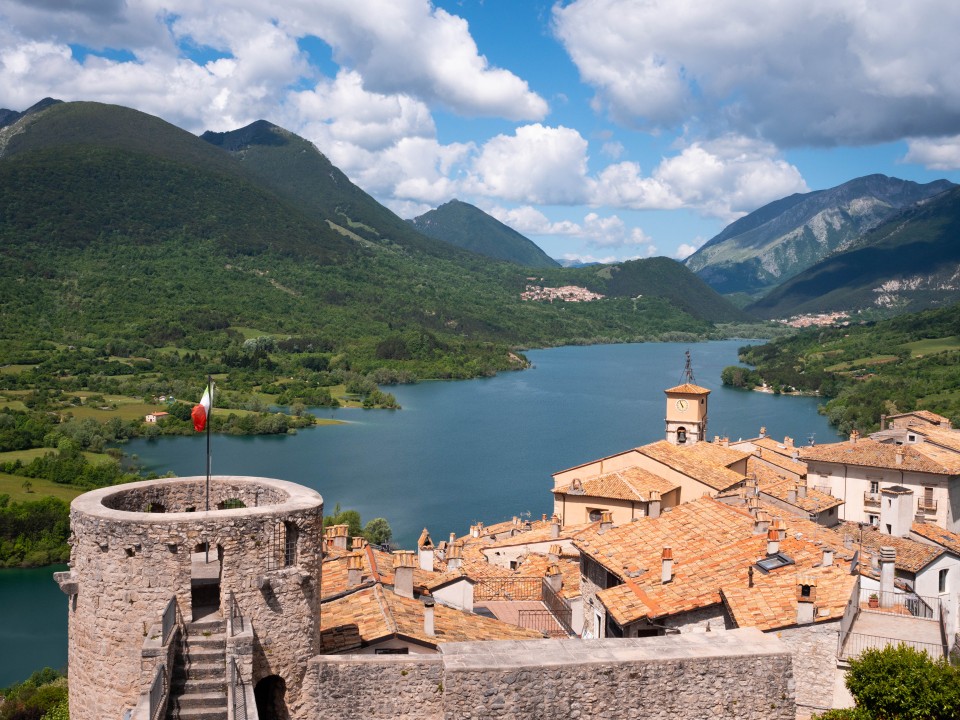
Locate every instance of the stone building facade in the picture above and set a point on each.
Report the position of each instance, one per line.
(136, 546)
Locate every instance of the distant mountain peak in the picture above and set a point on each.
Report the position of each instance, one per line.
(9, 117)
(781, 239)
(464, 225)
(259, 132)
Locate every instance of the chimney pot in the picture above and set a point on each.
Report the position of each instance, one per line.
(606, 521)
(773, 542)
(666, 565)
(763, 431)
(827, 557)
(428, 621)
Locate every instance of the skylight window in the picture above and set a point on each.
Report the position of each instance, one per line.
(774, 561)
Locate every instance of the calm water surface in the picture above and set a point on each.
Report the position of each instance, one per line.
(458, 452)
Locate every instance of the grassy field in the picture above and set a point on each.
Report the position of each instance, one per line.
(14, 369)
(26, 456)
(932, 346)
(12, 485)
(862, 362)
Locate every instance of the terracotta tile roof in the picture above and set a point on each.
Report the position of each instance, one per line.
(633, 483)
(713, 545)
(815, 500)
(540, 535)
(376, 613)
(772, 602)
(779, 460)
(701, 461)
(689, 388)
(377, 567)
(931, 417)
(936, 534)
(944, 437)
(912, 555)
(870, 453)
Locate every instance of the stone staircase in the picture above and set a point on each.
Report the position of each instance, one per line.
(198, 689)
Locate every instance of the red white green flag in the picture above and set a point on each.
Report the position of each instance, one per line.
(202, 410)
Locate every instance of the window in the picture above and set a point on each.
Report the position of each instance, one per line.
(874, 487)
(593, 514)
(290, 544)
(942, 580)
(873, 520)
(774, 561)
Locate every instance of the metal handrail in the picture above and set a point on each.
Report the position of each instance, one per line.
(169, 620)
(514, 588)
(238, 691)
(926, 506)
(158, 692)
(558, 607)
(918, 606)
(233, 615)
(856, 643)
(541, 620)
(871, 498)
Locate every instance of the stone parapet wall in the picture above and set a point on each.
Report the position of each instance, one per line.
(740, 674)
(814, 650)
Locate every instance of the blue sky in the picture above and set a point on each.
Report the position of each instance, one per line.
(601, 129)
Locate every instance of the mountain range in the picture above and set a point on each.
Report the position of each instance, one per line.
(769, 246)
(119, 230)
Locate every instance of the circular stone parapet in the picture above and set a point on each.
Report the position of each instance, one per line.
(257, 552)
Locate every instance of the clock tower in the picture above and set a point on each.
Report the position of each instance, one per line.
(686, 410)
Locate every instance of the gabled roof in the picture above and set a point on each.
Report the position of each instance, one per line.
(870, 453)
(912, 555)
(936, 534)
(540, 535)
(702, 461)
(375, 613)
(632, 483)
(377, 567)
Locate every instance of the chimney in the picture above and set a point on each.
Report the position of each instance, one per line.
(337, 536)
(455, 556)
(554, 578)
(896, 510)
(725, 441)
(827, 560)
(453, 539)
(666, 565)
(761, 524)
(554, 527)
(781, 527)
(750, 576)
(716, 439)
(553, 554)
(425, 551)
(358, 543)
(792, 495)
(756, 485)
(354, 569)
(404, 561)
(428, 628)
(606, 521)
(899, 456)
(801, 488)
(806, 600)
(883, 422)
(763, 432)
(773, 542)
(788, 441)
(854, 436)
(795, 455)
(888, 561)
(543, 518)
(654, 505)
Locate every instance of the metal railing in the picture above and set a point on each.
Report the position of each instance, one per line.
(542, 621)
(169, 620)
(158, 692)
(520, 588)
(558, 607)
(238, 691)
(856, 643)
(234, 616)
(871, 498)
(901, 603)
(926, 506)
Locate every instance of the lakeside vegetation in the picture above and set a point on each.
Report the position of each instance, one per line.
(907, 363)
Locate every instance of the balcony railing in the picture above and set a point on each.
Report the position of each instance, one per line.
(558, 607)
(926, 507)
(542, 621)
(871, 499)
(856, 643)
(521, 588)
(900, 603)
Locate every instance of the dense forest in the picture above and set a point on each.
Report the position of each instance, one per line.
(907, 363)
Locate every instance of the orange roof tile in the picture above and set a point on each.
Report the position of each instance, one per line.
(870, 453)
(632, 483)
(936, 534)
(912, 555)
(688, 388)
(701, 461)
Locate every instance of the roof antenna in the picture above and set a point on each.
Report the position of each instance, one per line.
(687, 376)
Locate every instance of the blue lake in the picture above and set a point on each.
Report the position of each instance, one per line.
(458, 452)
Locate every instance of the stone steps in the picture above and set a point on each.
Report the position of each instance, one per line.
(199, 681)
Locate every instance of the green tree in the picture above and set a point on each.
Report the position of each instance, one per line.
(378, 531)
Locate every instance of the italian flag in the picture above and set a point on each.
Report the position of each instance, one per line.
(201, 411)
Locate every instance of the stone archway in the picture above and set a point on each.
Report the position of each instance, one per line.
(270, 694)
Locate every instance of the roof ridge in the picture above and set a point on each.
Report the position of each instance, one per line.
(385, 608)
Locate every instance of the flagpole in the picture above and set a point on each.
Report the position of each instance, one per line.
(209, 422)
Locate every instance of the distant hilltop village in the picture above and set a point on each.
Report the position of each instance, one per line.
(567, 293)
(686, 578)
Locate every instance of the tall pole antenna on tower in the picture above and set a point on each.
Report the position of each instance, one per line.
(687, 376)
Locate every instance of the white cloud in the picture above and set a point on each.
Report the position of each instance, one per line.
(537, 164)
(685, 250)
(935, 153)
(821, 72)
(527, 220)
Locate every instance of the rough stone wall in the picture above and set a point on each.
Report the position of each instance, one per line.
(375, 687)
(814, 649)
(740, 674)
(127, 564)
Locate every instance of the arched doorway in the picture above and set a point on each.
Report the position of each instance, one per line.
(270, 694)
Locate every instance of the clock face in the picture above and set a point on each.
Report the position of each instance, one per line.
(681, 405)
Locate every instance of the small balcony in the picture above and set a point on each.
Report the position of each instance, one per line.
(871, 499)
(926, 507)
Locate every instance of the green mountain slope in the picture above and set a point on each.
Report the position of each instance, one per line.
(909, 263)
(774, 243)
(123, 234)
(466, 226)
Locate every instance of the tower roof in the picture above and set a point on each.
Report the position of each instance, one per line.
(688, 388)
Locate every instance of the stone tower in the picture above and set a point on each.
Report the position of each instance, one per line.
(686, 417)
(147, 554)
